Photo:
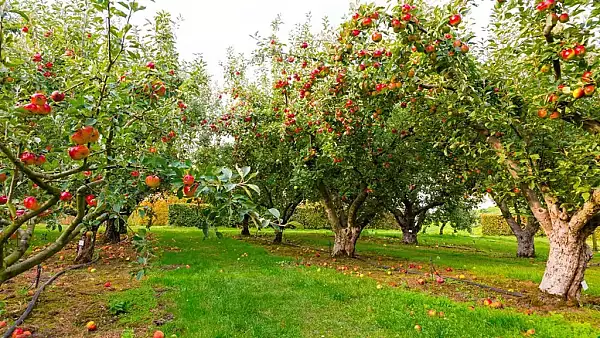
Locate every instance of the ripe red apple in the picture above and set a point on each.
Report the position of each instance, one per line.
(28, 158)
(3, 199)
(25, 29)
(79, 152)
(91, 200)
(135, 173)
(487, 302)
(429, 49)
(31, 203)
(38, 99)
(40, 160)
(439, 280)
(90, 134)
(567, 54)
(578, 93)
(37, 57)
(579, 50)
(464, 48)
(587, 76)
(304, 45)
(44, 109)
(555, 115)
(57, 96)
(367, 22)
(589, 89)
(91, 326)
(3, 177)
(190, 191)
(431, 313)
(153, 181)
(421, 281)
(448, 269)
(107, 284)
(150, 65)
(66, 196)
(406, 17)
(158, 334)
(455, 20)
(564, 17)
(188, 179)
(355, 32)
(377, 37)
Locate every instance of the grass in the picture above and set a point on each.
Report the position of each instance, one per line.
(236, 289)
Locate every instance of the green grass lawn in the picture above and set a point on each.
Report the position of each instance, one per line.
(236, 289)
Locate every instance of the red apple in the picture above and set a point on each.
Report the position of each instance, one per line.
(28, 158)
(587, 76)
(38, 99)
(367, 22)
(90, 134)
(542, 113)
(57, 96)
(377, 37)
(190, 191)
(44, 109)
(107, 284)
(487, 302)
(153, 181)
(418, 328)
(91, 200)
(464, 48)
(406, 17)
(188, 179)
(304, 45)
(579, 50)
(589, 89)
(40, 160)
(439, 280)
(25, 29)
(150, 65)
(455, 20)
(567, 54)
(3, 199)
(135, 173)
(564, 17)
(555, 115)
(66, 196)
(37, 57)
(79, 152)
(355, 32)
(158, 334)
(31, 203)
(3, 177)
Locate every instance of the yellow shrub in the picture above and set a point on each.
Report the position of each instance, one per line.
(495, 225)
(160, 209)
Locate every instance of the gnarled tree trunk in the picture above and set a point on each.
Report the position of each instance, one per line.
(85, 249)
(112, 234)
(567, 261)
(409, 236)
(345, 223)
(524, 232)
(411, 219)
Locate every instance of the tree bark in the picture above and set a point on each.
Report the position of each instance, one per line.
(567, 261)
(112, 234)
(409, 237)
(442, 228)
(594, 242)
(245, 228)
(345, 241)
(278, 237)
(524, 233)
(525, 244)
(85, 250)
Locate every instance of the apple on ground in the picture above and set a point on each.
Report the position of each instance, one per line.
(91, 326)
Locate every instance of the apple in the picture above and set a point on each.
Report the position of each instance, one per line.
(44, 109)
(37, 57)
(418, 328)
(3, 199)
(578, 93)
(439, 280)
(135, 173)
(367, 22)
(564, 17)
(153, 181)
(107, 284)
(406, 17)
(455, 20)
(158, 334)
(555, 115)
(190, 191)
(150, 65)
(28, 158)
(304, 45)
(567, 54)
(448, 269)
(496, 305)
(188, 179)
(3, 177)
(31, 203)
(429, 49)
(542, 113)
(57, 96)
(79, 152)
(377, 37)
(90, 134)
(431, 313)
(355, 32)
(91, 326)
(531, 332)
(66, 196)
(25, 29)
(587, 76)
(91, 200)
(487, 302)
(397, 25)
(545, 69)
(464, 48)
(552, 98)
(589, 89)
(421, 281)
(579, 50)
(38, 99)
(40, 160)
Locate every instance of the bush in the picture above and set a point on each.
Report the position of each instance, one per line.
(496, 225)
(313, 216)
(160, 209)
(186, 215)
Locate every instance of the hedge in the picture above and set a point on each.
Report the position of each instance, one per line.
(186, 215)
(496, 225)
(160, 208)
(313, 216)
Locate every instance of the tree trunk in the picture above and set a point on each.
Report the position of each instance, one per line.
(567, 261)
(245, 228)
(278, 236)
(525, 244)
(345, 241)
(112, 234)
(409, 236)
(442, 228)
(594, 242)
(85, 250)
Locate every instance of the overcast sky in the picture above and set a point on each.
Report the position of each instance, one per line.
(210, 27)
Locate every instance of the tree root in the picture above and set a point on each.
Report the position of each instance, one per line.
(37, 294)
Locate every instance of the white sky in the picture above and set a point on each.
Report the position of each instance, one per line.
(210, 27)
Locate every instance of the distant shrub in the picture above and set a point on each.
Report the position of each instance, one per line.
(158, 208)
(312, 216)
(496, 225)
(186, 215)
